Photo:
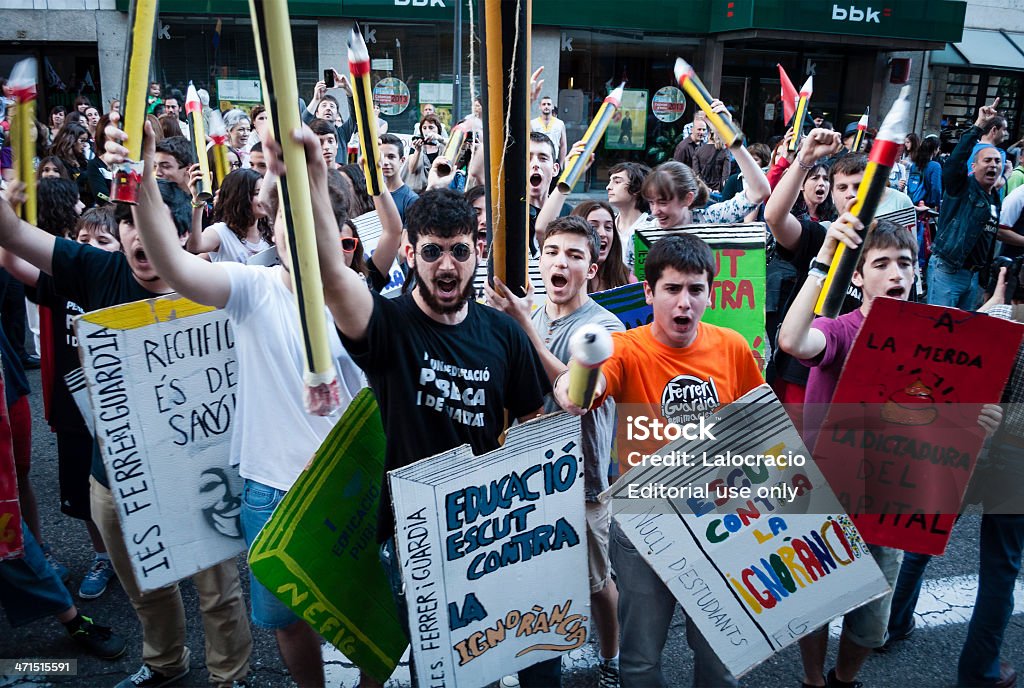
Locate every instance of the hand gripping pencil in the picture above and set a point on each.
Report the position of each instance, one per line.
(576, 164)
(219, 137)
(691, 83)
(366, 120)
(884, 153)
(589, 347)
(806, 91)
(194, 111)
(862, 126)
(272, 32)
(23, 88)
(124, 187)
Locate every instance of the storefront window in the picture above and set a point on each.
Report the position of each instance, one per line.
(196, 51)
(598, 62)
(966, 91)
(66, 71)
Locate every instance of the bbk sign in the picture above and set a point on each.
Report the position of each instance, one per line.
(852, 13)
(419, 3)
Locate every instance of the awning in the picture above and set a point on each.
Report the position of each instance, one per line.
(983, 48)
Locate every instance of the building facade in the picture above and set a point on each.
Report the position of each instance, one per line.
(860, 53)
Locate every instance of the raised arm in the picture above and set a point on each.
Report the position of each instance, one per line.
(556, 199)
(755, 184)
(391, 235)
(23, 241)
(345, 292)
(784, 227)
(796, 336)
(21, 270)
(188, 274)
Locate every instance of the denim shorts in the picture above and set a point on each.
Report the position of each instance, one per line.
(29, 588)
(258, 503)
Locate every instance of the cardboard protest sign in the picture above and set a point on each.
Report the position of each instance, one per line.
(533, 270)
(738, 292)
(493, 554)
(901, 438)
(12, 543)
(745, 532)
(162, 375)
(370, 229)
(318, 552)
(79, 388)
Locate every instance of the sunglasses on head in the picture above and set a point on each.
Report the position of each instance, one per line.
(431, 253)
(348, 244)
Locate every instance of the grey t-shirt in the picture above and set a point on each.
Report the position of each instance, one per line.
(598, 425)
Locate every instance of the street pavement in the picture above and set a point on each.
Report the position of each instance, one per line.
(927, 659)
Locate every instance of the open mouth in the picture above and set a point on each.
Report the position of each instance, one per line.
(140, 255)
(682, 320)
(820, 194)
(447, 288)
(559, 281)
(535, 180)
(895, 292)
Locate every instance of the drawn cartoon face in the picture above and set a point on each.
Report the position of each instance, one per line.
(222, 508)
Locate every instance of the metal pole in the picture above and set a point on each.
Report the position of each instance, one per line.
(457, 65)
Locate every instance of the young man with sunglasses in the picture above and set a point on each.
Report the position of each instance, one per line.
(446, 370)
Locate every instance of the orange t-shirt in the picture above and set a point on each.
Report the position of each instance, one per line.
(646, 377)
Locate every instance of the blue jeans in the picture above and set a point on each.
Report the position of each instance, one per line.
(948, 286)
(29, 588)
(546, 674)
(906, 592)
(258, 504)
(1002, 538)
(645, 612)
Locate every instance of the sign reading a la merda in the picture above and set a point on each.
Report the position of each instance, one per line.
(318, 553)
(162, 377)
(493, 553)
(745, 532)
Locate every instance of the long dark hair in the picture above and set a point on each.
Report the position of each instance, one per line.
(64, 145)
(234, 204)
(62, 169)
(612, 272)
(358, 258)
(57, 200)
(827, 209)
(925, 152)
(360, 202)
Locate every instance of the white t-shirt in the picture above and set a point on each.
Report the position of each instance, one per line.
(1013, 204)
(555, 131)
(273, 437)
(232, 249)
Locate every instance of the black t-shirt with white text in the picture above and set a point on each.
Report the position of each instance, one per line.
(440, 386)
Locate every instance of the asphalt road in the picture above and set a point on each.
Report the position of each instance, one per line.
(928, 659)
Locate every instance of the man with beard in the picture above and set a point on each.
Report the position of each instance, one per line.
(568, 260)
(446, 370)
(272, 435)
(95, 279)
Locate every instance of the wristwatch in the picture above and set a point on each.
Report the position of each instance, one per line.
(818, 269)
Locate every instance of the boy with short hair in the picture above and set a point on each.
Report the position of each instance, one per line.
(392, 158)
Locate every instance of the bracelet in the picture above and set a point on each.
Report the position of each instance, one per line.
(803, 166)
(196, 205)
(814, 272)
(817, 265)
(554, 383)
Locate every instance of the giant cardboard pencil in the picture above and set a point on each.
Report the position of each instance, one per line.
(803, 101)
(576, 164)
(23, 88)
(699, 94)
(506, 87)
(272, 32)
(124, 187)
(366, 120)
(862, 126)
(194, 111)
(456, 137)
(884, 153)
(219, 137)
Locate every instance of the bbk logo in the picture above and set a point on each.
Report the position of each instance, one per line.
(419, 3)
(855, 14)
(687, 399)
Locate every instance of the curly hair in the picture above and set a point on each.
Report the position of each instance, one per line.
(64, 145)
(57, 212)
(234, 204)
(441, 213)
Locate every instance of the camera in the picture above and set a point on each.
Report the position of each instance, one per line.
(989, 276)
